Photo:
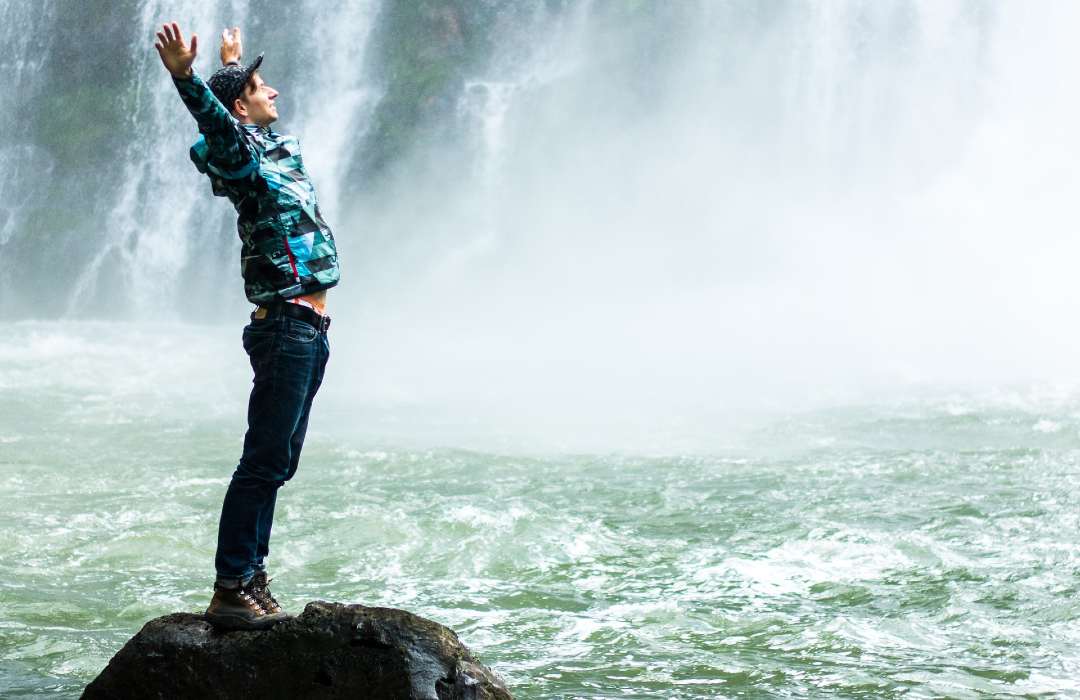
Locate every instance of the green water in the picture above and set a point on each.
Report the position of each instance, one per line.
(919, 548)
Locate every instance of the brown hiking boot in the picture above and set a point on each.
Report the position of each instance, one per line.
(237, 609)
(259, 587)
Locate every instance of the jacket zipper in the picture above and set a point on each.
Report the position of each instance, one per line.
(292, 258)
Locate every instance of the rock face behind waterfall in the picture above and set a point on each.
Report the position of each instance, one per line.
(329, 651)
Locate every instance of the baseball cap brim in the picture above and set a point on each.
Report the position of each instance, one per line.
(250, 70)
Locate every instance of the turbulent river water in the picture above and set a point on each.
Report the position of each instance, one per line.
(918, 548)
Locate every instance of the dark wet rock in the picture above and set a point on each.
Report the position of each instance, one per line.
(328, 651)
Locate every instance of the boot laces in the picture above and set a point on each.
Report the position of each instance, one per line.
(251, 601)
(263, 595)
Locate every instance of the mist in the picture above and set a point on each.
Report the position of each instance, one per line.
(736, 209)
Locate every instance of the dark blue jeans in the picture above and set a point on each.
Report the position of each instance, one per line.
(288, 357)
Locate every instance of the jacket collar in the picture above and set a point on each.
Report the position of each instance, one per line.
(264, 131)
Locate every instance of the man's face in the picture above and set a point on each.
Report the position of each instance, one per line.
(256, 105)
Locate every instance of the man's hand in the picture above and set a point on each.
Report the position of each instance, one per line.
(231, 48)
(175, 54)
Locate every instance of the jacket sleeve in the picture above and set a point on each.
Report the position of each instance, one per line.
(222, 146)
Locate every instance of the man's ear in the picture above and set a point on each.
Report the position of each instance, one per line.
(239, 107)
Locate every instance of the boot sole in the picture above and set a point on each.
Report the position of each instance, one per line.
(241, 623)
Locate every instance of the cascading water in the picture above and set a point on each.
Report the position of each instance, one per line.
(26, 165)
(752, 319)
(540, 48)
(336, 107)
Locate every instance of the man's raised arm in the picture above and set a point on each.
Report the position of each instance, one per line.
(228, 151)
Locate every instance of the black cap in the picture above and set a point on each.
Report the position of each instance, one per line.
(228, 82)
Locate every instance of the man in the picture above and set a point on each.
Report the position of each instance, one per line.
(288, 261)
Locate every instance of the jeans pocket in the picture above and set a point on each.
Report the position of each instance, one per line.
(299, 331)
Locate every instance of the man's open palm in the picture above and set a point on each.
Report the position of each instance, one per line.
(232, 48)
(175, 54)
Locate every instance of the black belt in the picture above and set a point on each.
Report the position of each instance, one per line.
(297, 311)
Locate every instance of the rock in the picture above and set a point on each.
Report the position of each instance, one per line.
(330, 650)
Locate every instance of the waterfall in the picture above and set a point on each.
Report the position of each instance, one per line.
(26, 30)
(540, 48)
(339, 99)
(831, 183)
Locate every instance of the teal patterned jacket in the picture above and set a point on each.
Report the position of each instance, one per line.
(287, 248)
